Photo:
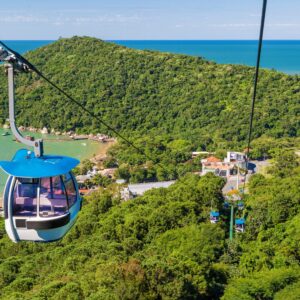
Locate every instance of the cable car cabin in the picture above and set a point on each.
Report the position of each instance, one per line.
(240, 225)
(240, 205)
(214, 217)
(41, 199)
(226, 205)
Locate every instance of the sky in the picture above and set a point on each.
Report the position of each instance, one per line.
(148, 19)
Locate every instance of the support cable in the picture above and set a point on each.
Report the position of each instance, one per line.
(141, 151)
(26, 65)
(261, 33)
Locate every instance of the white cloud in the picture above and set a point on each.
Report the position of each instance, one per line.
(61, 18)
(23, 19)
(117, 18)
(235, 25)
(240, 25)
(283, 25)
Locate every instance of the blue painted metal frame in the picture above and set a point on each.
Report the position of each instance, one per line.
(26, 164)
(214, 214)
(240, 221)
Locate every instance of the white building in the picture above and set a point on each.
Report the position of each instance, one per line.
(226, 168)
(134, 190)
(237, 158)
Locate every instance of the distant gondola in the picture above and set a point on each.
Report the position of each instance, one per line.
(240, 225)
(240, 205)
(214, 217)
(226, 205)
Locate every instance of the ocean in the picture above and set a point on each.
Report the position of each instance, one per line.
(283, 55)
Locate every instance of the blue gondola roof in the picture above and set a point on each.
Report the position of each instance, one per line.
(240, 221)
(25, 164)
(214, 214)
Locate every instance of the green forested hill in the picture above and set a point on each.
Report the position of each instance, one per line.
(162, 246)
(151, 92)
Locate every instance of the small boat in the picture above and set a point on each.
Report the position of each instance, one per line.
(5, 133)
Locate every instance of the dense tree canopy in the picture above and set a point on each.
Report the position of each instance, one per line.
(147, 92)
(161, 245)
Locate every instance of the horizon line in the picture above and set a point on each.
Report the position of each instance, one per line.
(150, 40)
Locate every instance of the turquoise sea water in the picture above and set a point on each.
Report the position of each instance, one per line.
(279, 55)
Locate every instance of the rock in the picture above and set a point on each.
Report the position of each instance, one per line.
(44, 130)
(31, 129)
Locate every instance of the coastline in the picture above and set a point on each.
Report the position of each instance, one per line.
(90, 148)
(51, 135)
(72, 135)
(102, 153)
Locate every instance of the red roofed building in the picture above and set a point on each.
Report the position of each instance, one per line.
(226, 168)
(212, 159)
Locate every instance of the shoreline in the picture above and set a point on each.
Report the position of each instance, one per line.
(101, 155)
(49, 135)
(72, 135)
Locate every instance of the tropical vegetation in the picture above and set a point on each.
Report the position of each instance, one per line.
(162, 245)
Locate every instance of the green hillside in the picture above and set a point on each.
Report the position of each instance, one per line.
(153, 93)
(162, 246)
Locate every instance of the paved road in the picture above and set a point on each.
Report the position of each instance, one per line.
(260, 165)
(255, 166)
(231, 183)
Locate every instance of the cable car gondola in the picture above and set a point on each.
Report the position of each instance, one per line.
(240, 205)
(214, 217)
(41, 198)
(240, 225)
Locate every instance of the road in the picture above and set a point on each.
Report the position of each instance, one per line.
(231, 183)
(255, 166)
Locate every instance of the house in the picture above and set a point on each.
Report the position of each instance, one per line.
(83, 178)
(214, 165)
(134, 190)
(237, 158)
(197, 153)
(110, 173)
(120, 181)
(226, 168)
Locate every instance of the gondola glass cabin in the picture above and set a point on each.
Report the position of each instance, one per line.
(240, 205)
(214, 217)
(41, 199)
(240, 225)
